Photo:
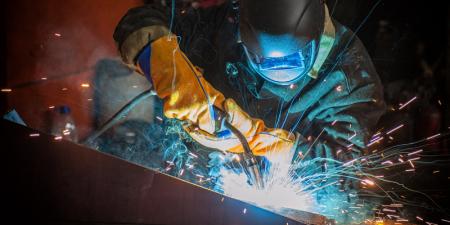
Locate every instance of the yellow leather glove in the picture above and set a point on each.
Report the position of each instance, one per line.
(180, 84)
(262, 140)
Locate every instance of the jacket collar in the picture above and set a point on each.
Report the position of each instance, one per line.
(325, 45)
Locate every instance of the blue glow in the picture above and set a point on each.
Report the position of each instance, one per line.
(292, 61)
(284, 59)
(281, 45)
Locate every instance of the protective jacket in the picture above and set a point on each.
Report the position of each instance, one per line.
(333, 109)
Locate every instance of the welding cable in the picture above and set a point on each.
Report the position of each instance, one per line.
(121, 114)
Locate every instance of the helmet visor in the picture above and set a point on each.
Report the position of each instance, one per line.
(285, 69)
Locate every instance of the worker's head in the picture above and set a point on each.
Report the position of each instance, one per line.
(281, 37)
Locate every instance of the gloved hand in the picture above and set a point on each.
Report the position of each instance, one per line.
(262, 140)
(186, 94)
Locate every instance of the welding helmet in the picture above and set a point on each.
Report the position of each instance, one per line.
(281, 38)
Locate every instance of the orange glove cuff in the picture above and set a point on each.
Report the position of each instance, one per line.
(186, 94)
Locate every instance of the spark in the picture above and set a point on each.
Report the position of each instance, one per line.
(35, 135)
(244, 211)
(389, 210)
(394, 129)
(351, 137)
(410, 162)
(376, 135)
(413, 153)
(85, 85)
(376, 140)
(181, 172)
(396, 205)
(419, 218)
(57, 34)
(51, 107)
(193, 155)
(43, 78)
(6, 90)
(392, 216)
(58, 138)
(413, 159)
(349, 162)
(407, 103)
(434, 136)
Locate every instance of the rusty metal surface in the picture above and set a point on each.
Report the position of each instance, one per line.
(61, 182)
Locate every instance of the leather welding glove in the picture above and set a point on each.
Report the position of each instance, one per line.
(262, 140)
(186, 94)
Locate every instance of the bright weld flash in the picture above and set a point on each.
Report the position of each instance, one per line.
(281, 191)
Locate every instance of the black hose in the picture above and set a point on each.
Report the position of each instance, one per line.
(121, 114)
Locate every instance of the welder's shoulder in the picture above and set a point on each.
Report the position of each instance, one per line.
(138, 18)
(352, 59)
(194, 23)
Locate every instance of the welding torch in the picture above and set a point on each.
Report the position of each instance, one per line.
(251, 166)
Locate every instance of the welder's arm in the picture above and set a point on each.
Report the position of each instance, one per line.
(146, 44)
(263, 141)
(342, 125)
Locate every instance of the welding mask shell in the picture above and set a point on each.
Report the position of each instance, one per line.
(281, 38)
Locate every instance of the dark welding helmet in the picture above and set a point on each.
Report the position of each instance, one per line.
(281, 37)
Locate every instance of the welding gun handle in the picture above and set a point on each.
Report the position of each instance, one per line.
(251, 164)
(222, 124)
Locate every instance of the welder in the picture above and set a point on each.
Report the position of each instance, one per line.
(287, 76)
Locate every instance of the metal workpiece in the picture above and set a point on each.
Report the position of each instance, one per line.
(80, 184)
